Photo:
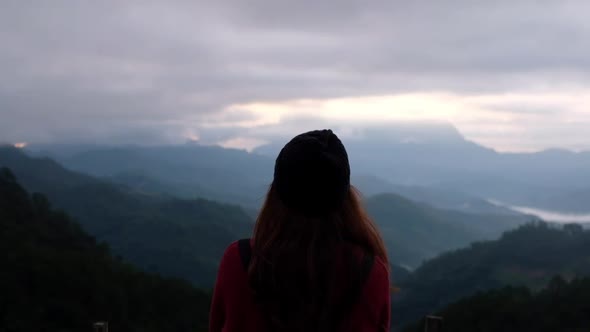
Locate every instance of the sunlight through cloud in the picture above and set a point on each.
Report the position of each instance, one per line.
(507, 122)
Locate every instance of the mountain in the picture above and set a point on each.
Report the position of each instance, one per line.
(436, 155)
(163, 234)
(415, 232)
(439, 198)
(380, 135)
(562, 306)
(55, 277)
(527, 256)
(432, 163)
(224, 175)
(575, 201)
(429, 162)
(189, 170)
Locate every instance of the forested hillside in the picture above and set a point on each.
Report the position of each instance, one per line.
(174, 237)
(415, 232)
(56, 277)
(561, 306)
(528, 256)
(448, 199)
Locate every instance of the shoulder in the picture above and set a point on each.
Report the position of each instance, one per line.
(231, 261)
(232, 251)
(232, 248)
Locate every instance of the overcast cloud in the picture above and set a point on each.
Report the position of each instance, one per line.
(509, 74)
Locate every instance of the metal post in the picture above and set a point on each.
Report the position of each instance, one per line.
(101, 327)
(433, 324)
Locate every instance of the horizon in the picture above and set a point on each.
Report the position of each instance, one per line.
(251, 146)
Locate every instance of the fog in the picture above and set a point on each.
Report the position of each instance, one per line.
(547, 215)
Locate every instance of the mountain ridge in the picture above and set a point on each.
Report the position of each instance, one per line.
(527, 256)
(175, 237)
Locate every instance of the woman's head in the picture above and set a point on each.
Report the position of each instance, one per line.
(312, 173)
(310, 214)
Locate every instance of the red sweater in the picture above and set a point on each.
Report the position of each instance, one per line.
(233, 307)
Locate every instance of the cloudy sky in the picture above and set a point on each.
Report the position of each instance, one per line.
(512, 75)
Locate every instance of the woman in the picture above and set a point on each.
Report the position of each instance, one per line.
(316, 261)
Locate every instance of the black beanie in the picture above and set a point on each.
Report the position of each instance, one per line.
(312, 173)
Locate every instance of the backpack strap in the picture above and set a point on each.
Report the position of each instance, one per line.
(245, 252)
(359, 274)
(360, 278)
(365, 268)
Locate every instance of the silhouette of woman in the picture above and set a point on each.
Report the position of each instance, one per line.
(316, 261)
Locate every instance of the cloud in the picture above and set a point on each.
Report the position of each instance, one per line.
(102, 70)
(508, 122)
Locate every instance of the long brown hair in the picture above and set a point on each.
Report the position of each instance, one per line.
(292, 267)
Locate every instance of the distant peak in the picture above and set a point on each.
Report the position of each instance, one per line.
(557, 151)
(413, 133)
